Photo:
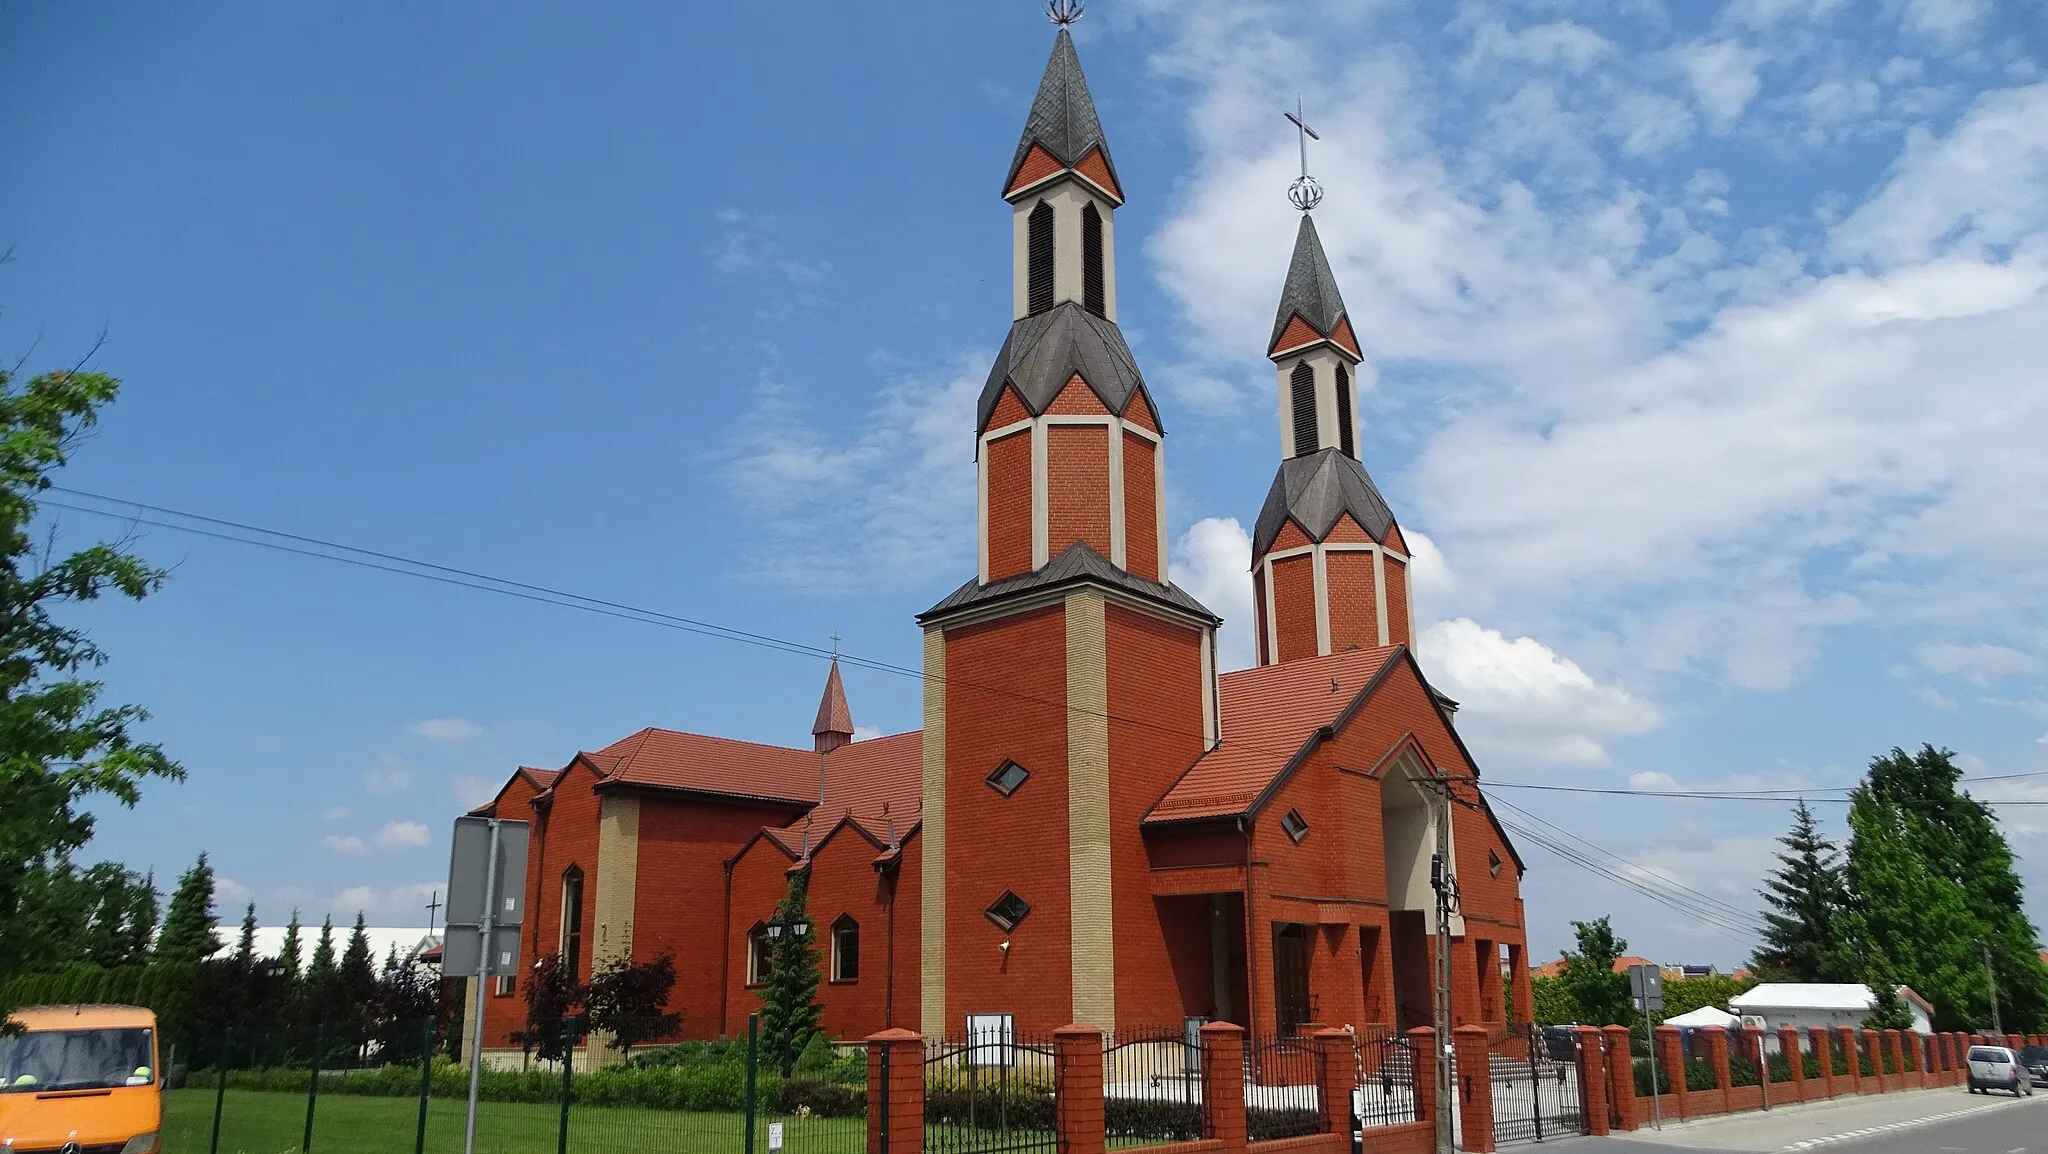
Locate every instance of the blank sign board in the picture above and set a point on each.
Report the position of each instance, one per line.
(459, 951)
(1646, 986)
(468, 864)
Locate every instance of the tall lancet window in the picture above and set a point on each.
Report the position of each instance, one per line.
(1040, 256)
(1302, 390)
(1344, 431)
(1092, 294)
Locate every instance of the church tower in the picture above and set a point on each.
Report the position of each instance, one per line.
(1329, 566)
(1070, 681)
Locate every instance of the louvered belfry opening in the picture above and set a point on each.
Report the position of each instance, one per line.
(1041, 258)
(1093, 296)
(1344, 431)
(1302, 390)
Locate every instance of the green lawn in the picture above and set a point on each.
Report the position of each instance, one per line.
(254, 1122)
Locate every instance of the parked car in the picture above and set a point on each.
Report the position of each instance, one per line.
(1997, 1067)
(1560, 1044)
(2035, 1059)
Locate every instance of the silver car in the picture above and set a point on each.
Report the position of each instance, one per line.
(1997, 1067)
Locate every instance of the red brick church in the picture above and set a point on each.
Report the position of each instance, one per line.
(1094, 824)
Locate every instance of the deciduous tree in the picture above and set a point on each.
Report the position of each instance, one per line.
(629, 1001)
(1600, 994)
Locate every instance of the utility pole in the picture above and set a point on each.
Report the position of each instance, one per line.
(1991, 976)
(1446, 885)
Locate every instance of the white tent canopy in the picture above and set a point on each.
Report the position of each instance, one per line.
(1704, 1016)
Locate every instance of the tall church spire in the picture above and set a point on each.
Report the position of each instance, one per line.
(834, 726)
(1062, 134)
(1329, 566)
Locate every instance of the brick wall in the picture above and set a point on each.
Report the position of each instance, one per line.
(1077, 487)
(1009, 505)
(1294, 602)
(1354, 608)
(1397, 604)
(1141, 506)
(1006, 684)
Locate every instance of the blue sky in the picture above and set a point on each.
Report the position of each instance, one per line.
(1705, 345)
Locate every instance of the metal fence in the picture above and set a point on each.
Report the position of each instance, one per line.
(1282, 1087)
(1386, 1079)
(990, 1089)
(1536, 1092)
(339, 1089)
(1152, 1086)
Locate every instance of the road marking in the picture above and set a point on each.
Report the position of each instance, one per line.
(1867, 1131)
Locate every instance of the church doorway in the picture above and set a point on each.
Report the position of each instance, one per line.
(1408, 833)
(1290, 976)
(1410, 938)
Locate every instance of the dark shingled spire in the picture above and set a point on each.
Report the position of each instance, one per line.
(1315, 490)
(834, 726)
(1062, 120)
(1044, 352)
(1311, 289)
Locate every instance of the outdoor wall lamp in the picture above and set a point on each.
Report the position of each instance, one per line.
(797, 928)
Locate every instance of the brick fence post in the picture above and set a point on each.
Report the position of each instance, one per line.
(1423, 1057)
(1717, 1053)
(1338, 1052)
(1474, 1064)
(1873, 1041)
(1896, 1052)
(1788, 1045)
(1845, 1044)
(1621, 1078)
(1671, 1052)
(1223, 1086)
(1593, 1079)
(1077, 1072)
(895, 1093)
(2015, 1041)
(1909, 1041)
(1753, 1049)
(1819, 1037)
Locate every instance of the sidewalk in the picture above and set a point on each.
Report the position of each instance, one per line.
(1815, 1124)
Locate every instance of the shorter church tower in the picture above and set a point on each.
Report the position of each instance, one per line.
(1329, 565)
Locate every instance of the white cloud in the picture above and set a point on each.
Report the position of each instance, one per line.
(749, 244)
(1944, 21)
(446, 729)
(401, 904)
(1212, 561)
(388, 777)
(1520, 695)
(895, 493)
(1724, 80)
(866, 732)
(334, 813)
(348, 844)
(403, 835)
(230, 891)
(1978, 664)
(1652, 781)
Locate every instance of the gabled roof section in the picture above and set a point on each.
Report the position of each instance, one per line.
(1311, 289)
(1316, 489)
(1078, 564)
(1271, 716)
(666, 759)
(1063, 120)
(1045, 351)
(834, 715)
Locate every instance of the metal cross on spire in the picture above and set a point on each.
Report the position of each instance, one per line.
(1304, 193)
(1063, 12)
(835, 645)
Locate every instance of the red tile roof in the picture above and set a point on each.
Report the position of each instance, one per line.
(1268, 715)
(665, 759)
(834, 715)
(1555, 966)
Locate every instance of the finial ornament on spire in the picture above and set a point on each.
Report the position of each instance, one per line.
(1064, 12)
(1304, 193)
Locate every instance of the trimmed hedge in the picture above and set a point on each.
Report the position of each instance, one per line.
(1154, 1118)
(715, 1088)
(1265, 1124)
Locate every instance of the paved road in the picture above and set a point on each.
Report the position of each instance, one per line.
(1929, 1122)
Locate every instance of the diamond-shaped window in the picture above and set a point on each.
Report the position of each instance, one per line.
(1493, 863)
(1007, 777)
(1295, 825)
(1008, 910)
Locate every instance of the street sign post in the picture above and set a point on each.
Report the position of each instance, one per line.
(1646, 986)
(486, 904)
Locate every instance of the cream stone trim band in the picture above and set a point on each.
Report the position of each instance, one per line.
(932, 856)
(1093, 948)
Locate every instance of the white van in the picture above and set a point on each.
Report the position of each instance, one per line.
(1997, 1066)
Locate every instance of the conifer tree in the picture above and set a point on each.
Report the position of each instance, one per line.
(188, 933)
(790, 1011)
(288, 956)
(321, 974)
(139, 926)
(1805, 895)
(358, 974)
(245, 945)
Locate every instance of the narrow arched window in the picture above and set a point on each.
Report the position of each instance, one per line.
(845, 949)
(1040, 256)
(759, 959)
(572, 920)
(1344, 423)
(1302, 393)
(1093, 295)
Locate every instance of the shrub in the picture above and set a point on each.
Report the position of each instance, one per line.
(1265, 1124)
(825, 1099)
(1012, 1109)
(1152, 1118)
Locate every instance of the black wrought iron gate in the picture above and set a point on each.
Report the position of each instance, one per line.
(1536, 1091)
